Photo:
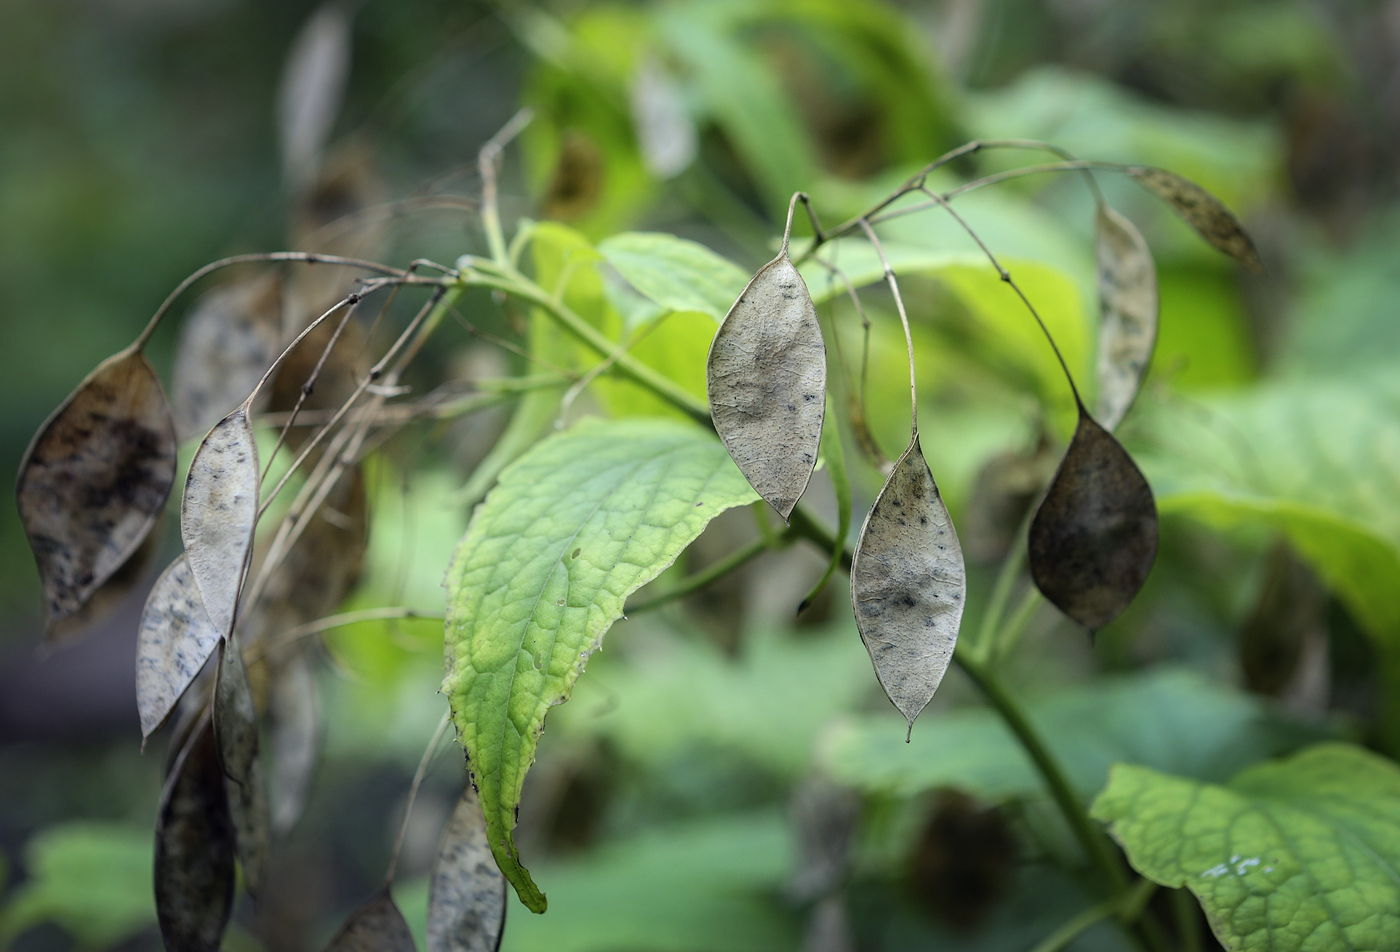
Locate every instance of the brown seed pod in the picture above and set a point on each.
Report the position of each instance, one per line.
(766, 379)
(194, 871)
(1127, 314)
(1094, 538)
(467, 896)
(1203, 212)
(173, 642)
(95, 478)
(219, 512)
(377, 926)
(908, 584)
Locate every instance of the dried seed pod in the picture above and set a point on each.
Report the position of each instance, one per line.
(294, 738)
(1127, 314)
(235, 714)
(173, 642)
(908, 584)
(766, 379)
(104, 602)
(1094, 537)
(252, 824)
(1203, 212)
(377, 926)
(467, 898)
(194, 872)
(227, 342)
(219, 512)
(95, 478)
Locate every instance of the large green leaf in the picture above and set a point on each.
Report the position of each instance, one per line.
(679, 275)
(1001, 317)
(574, 526)
(1291, 856)
(1172, 720)
(1319, 462)
(93, 879)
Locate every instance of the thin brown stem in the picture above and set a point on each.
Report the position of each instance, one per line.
(1006, 277)
(303, 257)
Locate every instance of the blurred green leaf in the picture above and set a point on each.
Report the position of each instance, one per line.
(574, 526)
(678, 274)
(1172, 720)
(676, 345)
(1316, 461)
(93, 879)
(707, 884)
(1095, 118)
(1288, 856)
(680, 694)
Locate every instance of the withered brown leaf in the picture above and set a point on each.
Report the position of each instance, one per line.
(95, 478)
(235, 714)
(1203, 212)
(766, 380)
(467, 896)
(377, 926)
(194, 857)
(219, 512)
(227, 342)
(1094, 538)
(173, 642)
(909, 584)
(1127, 314)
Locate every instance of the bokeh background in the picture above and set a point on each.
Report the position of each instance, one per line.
(140, 139)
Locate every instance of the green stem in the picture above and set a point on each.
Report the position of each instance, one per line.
(1090, 837)
(693, 583)
(983, 649)
(1127, 908)
(1015, 626)
(512, 282)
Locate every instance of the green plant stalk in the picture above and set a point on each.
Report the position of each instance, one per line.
(693, 583)
(1127, 909)
(983, 648)
(484, 275)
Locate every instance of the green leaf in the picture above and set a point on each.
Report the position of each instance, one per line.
(93, 879)
(1001, 323)
(679, 275)
(1301, 854)
(675, 345)
(1316, 461)
(574, 526)
(1172, 720)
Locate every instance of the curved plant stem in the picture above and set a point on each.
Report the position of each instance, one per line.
(1090, 837)
(1127, 908)
(707, 575)
(512, 282)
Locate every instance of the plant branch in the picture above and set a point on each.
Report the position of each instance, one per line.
(1095, 844)
(1126, 908)
(705, 577)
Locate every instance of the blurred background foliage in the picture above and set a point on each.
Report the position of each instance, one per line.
(138, 140)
